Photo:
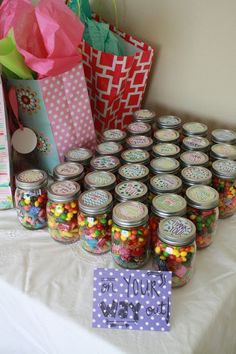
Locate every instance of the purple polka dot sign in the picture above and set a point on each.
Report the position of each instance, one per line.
(131, 299)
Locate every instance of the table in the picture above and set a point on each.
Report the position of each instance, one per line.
(46, 299)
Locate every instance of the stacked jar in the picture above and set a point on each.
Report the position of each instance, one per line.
(139, 128)
(81, 156)
(224, 136)
(196, 143)
(169, 122)
(222, 152)
(131, 190)
(161, 165)
(105, 163)
(195, 129)
(135, 156)
(109, 148)
(194, 158)
(170, 136)
(139, 142)
(166, 150)
(100, 180)
(195, 175)
(164, 183)
(69, 171)
(133, 172)
(115, 135)
(145, 116)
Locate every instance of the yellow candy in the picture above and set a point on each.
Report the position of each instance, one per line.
(123, 238)
(36, 204)
(70, 215)
(184, 259)
(140, 239)
(158, 250)
(73, 205)
(163, 258)
(193, 217)
(109, 222)
(27, 201)
(183, 254)
(56, 213)
(176, 253)
(90, 225)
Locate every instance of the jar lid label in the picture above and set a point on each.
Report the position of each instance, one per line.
(95, 198)
(139, 127)
(224, 134)
(144, 113)
(31, 176)
(195, 142)
(224, 150)
(166, 182)
(139, 141)
(166, 149)
(169, 120)
(133, 171)
(130, 211)
(69, 169)
(177, 229)
(164, 163)
(195, 127)
(135, 155)
(202, 194)
(169, 203)
(105, 162)
(116, 134)
(166, 134)
(196, 173)
(109, 147)
(194, 157)
(225, 167)
(64, 188)
(131, 189)
(100, 178)
(79, 154)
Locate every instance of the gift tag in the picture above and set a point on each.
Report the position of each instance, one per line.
(24, 140)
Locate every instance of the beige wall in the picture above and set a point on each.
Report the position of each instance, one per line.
(194, 71)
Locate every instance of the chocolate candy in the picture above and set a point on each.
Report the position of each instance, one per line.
(195, 129)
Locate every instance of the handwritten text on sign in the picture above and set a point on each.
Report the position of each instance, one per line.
(131, 299)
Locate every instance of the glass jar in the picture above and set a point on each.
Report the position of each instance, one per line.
(195, 129)
(100, 180)
(94, 220)
(166, 136)
(105, 163)
(130, 235)
(164, 183)
(135, 156)
(131, 190)
(82, 156)
(194, 158)
(175, 250)
(116, 135)
(69, 171)
(224, 136)
(224, 181)
(133, 172)
(144, 116)
(195, 175)
(169, 122)
(139, 128)
(203, 211)
(195, 143)
(109, 148)
(31, 198)
(161, 165)
(139, 142)
(62, 211)
(223, 151)
(166, 150)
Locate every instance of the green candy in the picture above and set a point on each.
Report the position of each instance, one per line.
(140, 232)
(63, 216)
(97, 233)
(103, 221)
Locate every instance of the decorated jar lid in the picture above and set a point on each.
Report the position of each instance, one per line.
(80, 155)
(31, 179)
(195, 128)
(139, 128)
(192, 175)
(130, 214)
(164, 165)
(68, 171)
(100, 180)
(202, 197)
(223, 151)
(109, 148)
(166, 136)
(96, 201)
(115, 135)
(133, 171)
(63, 191)
(131, 190)
(194, 158)
(165, 183)
(135, 156)
(105, 163)
(195, 143)
(169, 122)
(167, 205)
(144, 115)
(223, 136)
(139, 142)
(177, 231)
(166, 149)
(225, 169)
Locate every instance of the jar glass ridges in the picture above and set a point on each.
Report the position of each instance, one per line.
(194, 175)
(166, 136)
(194, 158)
(203, 211)
(62, 211)
(195, 128)
(130, 234)
(223, 151)
(223, 136)
(139, 142)
(139, 128)
(131, 172)
(164, 165)
(115, 135)
(195, 143)
(94, 220)
(69, 171)
(169, 122)
(79, 155)
(109, 148)
(105, 163)
(166, 150)
(31, 198)
(131, 190)
(164, 183)
(135, 156)
(100, 180)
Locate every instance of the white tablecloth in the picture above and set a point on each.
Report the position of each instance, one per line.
(46, 299)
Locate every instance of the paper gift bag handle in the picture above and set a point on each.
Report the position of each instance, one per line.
(115, 11)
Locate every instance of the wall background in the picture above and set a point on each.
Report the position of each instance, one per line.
(194, 71)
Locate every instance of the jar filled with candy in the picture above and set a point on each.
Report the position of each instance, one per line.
(139, 128)
(62, 211)
(164, 183)
(166, 150)
(31, 198)
(169, 122)
(69, 171)
(144, 116)
(195, 143)
(195, 175)
(100, 180)
(131, 190)
(135, 156)
(203, 211)
(176, 249)
(166, 136)
(224, 136)
(130, 235)
(195, 129)
(116, 135)
(224, 181)
(194, 158)
(109, 148)
(222, 152)
(105, 163)
(139, 142)
(133, 172)
(94, 220)
(161, 165)
(82, 156)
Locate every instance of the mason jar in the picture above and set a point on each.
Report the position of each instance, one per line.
(139, 142)
(131, 190)
(166, 136)
(82, 156)
(100, 180)
(166, 150)
(203, 211)
(175, 250)
(195, 129)
(139, 128)
(164, 183)
(135, 156)
(105, 163)
(195, 175)
(144, 116)
(69, 171)
(224, 136)
(109, 148)
(62, 211)
(224, 181)
(169, 122)
(133, 172)
(130, 235)
(161, 165)
(116, 135)
(31, 198)
(194, 158)
(223, 152)
(196, 143)
(94, 220)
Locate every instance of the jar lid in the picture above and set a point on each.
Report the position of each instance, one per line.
(223, 151)
(135, 156)
(196, 175)
(139, 141)
(139, 128)
(116, 135)
(223, 136)
(105, 163)
(224, 169)
(81, 155)
(100, 179)
(195, 143)
(31, 179)
(169, 121)
(131, 190)
(177, 231)
(165, 183)
(195, 128)
(166, 149)
(166, 135)
(194, 158)
(109, 148)
(95, 201)
(63, 191)
(144, 115)
(130, 214)
(202, 197)
(133, 171)
(167, 205)
(68, 171)
(164, 165)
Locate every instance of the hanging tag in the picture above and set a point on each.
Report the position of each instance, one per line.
(24, 140)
